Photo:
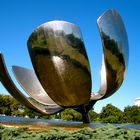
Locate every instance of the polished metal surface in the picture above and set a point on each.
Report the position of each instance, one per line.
(61, 64)
(62, 73)
(28, 80)
(19, 96)
(115, 53)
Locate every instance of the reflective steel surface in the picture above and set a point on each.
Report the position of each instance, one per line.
(60, 61)
(62, 72)
(19, 96)
(28, 80)
(115, 49)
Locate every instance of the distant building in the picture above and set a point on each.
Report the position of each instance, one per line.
(137, 101)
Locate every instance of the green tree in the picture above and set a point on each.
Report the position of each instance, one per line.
(5, 102)
(8, 105)
(70, 114)
(131, 114)
(111, 114)
(31, 113)
(93, 116)
(16, 108)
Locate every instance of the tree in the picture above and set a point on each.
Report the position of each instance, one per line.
(70, 114)
(16, 108)
(93, 116)
(111, 114)
(31, 113)
(8, 105)
(5, 102)
(131, 114)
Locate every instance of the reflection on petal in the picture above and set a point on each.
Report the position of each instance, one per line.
(115, 49)
(60, 60)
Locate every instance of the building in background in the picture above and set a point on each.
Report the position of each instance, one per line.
(137, 101)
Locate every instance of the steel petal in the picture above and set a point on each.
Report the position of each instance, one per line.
(115, 49)
(60, 61)
(19, 96)
(28, 80)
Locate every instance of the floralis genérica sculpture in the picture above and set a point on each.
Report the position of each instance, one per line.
(62, 78)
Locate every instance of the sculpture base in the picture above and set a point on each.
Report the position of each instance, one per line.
(85, 117)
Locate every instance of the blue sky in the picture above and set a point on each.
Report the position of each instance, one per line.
(18, 18)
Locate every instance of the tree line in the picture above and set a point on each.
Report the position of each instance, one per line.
(108, 114)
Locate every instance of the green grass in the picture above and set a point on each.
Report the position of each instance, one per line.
(108, 132)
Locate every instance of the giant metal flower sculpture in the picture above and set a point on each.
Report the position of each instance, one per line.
(62, 76)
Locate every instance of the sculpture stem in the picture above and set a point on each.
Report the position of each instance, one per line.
(84, 110)
(85, 117)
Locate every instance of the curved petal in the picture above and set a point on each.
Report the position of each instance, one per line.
(28, 80)
(115, 49)
(60, 62)
(13, 90)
